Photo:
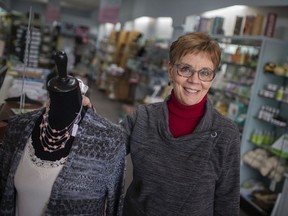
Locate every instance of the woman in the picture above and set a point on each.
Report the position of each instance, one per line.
(185, 154)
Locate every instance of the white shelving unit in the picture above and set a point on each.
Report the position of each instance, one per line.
(270, 50)
(232, 88)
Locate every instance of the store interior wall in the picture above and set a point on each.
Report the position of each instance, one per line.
(131, 10)
(5, 3)
(230, 13)
(126, 11)
(77, 17)
(180, 22)
(178, 10)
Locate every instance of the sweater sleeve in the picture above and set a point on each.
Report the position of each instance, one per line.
(3, 160)
(128, 123)
(115, 184)
(7, 149)
(227, 193)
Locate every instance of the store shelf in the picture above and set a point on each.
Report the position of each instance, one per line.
(270, 150)
(239, 65)
(235, 79)
(239, 71)
(251, 208)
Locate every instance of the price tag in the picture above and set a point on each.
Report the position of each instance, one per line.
(74, 130)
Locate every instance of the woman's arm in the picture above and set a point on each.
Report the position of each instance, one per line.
(128, 123)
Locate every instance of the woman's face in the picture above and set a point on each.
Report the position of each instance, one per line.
(190, 91)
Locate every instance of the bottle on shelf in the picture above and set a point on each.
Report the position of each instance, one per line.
(279, 94)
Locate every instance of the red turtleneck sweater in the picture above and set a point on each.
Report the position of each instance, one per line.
(183, 119)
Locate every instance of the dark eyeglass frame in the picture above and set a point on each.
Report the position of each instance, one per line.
(192, 71)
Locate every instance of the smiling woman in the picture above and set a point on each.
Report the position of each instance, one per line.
(189, 55)
(185, 154)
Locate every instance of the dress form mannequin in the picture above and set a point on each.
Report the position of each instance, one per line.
(37, 178)
(65, 103)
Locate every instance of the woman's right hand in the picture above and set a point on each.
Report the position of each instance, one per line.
(86, 102)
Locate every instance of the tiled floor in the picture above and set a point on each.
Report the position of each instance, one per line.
(111, 110)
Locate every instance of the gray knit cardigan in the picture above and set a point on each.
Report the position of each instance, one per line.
(192, 175)
(92, 175)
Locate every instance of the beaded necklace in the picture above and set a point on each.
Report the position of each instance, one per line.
(53, 140)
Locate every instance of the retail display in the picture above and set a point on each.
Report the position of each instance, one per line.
(254, 94)
(104, 57)
(248, 25)
(148, 74)
(231, 89)
(48, 45)
(5, 31)
(281, 202)
(238, 25)
(211, 25)
(3, 71)
(34, 44)
(135, 73)
(257, 25)
(270, 24)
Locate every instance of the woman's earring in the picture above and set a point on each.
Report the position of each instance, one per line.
(170, 83)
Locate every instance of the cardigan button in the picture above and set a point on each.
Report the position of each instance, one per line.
(214, 134)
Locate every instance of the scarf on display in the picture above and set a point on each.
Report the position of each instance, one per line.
(184, 119)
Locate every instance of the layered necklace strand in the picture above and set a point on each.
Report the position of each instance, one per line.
(53, 140)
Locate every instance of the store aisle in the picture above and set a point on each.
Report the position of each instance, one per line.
(108, 108)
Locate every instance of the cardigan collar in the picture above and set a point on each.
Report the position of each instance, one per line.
(205, 123)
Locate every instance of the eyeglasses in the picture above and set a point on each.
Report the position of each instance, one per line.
(205, 74)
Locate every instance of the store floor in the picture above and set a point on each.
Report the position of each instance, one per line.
(111, 109)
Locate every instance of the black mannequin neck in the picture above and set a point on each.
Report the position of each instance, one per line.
(63, 109)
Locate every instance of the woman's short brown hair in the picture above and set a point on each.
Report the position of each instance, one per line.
(194, 43)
